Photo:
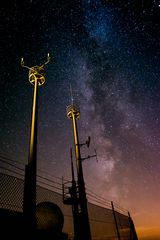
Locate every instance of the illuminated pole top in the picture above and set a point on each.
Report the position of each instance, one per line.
(73, 110)
(36, 73)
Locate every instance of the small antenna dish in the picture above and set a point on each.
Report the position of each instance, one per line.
(88, 141)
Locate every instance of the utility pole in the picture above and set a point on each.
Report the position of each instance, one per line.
(37, 79)
(85, 234)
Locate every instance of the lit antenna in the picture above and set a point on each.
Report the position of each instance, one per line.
(71, 92)
(36, 73)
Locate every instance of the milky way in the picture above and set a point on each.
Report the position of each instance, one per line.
(108, 51)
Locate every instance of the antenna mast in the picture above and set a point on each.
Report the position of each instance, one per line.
(85, 234)
(36, 78)
(71, 92)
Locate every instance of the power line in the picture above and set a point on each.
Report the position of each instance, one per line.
(12, 171)
(93, 201)
(49, 185)
(2, 157)
(91, 195)
(21, 169)
(106, 200)
(9, 159)
(98, 198)
(49, 180)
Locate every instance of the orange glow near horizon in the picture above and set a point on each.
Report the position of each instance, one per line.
(147, 224)
(146, 233)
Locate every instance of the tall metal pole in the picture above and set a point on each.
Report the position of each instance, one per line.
(29, 204)
(75, 209)
(36, 78)
(85, 233)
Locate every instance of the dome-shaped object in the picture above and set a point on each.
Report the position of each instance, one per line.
(49, 217)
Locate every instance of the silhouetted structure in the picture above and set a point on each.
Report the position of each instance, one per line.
(101, 218)
(70, 197)
(133, 234)
(36, 78)
(84, 232)
(45, 219)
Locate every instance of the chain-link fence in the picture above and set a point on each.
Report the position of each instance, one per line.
(106, 223)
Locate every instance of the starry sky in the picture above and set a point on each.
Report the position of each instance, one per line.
(109, 52)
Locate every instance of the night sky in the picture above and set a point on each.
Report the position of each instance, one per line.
(109, 52)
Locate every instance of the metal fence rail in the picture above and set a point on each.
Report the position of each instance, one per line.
(102, 220)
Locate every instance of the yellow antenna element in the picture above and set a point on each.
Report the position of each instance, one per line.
(48, 60)
(73, 112)
(22, 63)
(36, 73)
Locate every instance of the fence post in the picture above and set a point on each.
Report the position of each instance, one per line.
(116, 224)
